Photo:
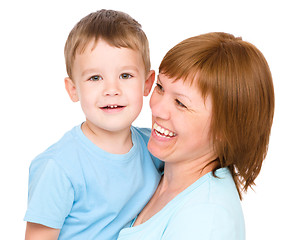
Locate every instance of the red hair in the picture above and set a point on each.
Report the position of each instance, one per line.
(237, 76)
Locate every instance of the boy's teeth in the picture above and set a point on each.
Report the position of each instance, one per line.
(163, 131)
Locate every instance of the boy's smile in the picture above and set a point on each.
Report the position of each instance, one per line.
(110, 83)
(112, 108)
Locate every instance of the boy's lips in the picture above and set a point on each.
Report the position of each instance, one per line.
(163, 132)
(112, 108)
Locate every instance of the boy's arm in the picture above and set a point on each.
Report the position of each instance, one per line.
(50, 199)
(36, 231)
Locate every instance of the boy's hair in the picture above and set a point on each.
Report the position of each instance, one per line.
(237, 76)
(116, 28)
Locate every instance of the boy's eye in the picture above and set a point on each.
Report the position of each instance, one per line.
(95, 78)
(180, 104)
(125, 76)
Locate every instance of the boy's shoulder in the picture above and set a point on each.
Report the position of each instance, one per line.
(61, 150)
(144, 133)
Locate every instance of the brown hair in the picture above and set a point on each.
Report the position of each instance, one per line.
(237, 76)
(116, 28)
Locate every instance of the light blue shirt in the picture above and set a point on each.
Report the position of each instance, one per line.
(209, 209)
(84, 191)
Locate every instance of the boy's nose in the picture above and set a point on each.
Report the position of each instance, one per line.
(111, 89)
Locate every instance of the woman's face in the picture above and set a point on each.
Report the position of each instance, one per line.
(181, 122)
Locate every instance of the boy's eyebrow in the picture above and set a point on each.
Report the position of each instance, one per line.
(95, 70)
(130, 67)
(89, 70)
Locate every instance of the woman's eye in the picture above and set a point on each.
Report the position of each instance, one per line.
(159, 87)
(180, 104)
(125, 76)
(95, 78)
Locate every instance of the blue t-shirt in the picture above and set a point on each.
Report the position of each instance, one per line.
(84, 191)
(209, 209)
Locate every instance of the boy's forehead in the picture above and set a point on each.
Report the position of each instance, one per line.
(87, 45)
(98, 54)
(100, 43)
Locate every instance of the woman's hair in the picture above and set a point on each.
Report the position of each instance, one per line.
(116, 28)
(237, 76)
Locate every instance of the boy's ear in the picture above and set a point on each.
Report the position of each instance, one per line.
(149, 82)
(71, 89)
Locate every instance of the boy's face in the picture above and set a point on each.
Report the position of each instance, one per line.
(110, 83)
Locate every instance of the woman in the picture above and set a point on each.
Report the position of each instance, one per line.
(212, 114)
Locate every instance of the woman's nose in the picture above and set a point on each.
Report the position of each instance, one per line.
(160, 106)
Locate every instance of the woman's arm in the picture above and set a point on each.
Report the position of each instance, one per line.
(36, 231)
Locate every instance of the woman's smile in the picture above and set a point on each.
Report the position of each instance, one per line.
(163, 132)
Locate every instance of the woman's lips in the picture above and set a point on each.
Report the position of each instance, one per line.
(163, 132)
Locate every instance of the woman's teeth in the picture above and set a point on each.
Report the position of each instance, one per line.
(162, 132)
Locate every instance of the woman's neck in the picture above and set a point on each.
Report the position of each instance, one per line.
(177, 177)
(180, 175)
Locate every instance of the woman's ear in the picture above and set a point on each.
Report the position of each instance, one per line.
(71, 89)
(149, 82)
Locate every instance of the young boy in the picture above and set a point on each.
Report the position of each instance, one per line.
(79, 187)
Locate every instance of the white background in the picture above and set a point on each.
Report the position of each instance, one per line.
(36, 111)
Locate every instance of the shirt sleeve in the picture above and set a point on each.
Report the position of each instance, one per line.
(50, 194)
(201, 222)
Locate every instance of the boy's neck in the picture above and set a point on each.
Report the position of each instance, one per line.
(119, 142)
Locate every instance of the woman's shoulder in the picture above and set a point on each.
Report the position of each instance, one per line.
(210, 195)
(222, 187)
(206, 220)
(211, 209)
(212, 203)
(214, 190)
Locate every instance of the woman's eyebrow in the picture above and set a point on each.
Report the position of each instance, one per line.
(174, 92)
(183, 95)
(158, 78)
